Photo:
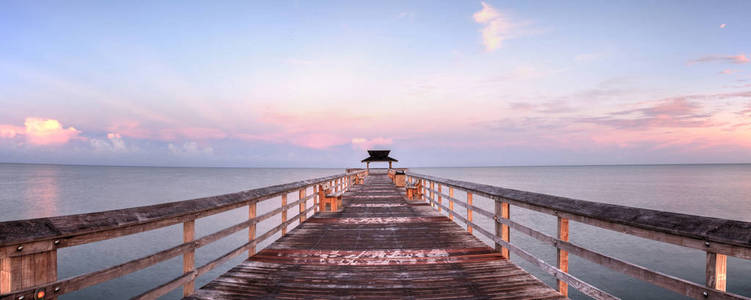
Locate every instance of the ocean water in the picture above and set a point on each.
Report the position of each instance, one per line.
(31, 191)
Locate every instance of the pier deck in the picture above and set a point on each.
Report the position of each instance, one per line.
(379, 246)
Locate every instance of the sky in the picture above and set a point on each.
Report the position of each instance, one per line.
(316, 83)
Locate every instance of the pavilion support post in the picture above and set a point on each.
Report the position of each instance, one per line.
(469, 212)
(252, 227)
(451, 203)
(717, 268)
(25, 268)
(562, 254)
(284, 213)
(189, 258)
(389, 165)
(367, 166)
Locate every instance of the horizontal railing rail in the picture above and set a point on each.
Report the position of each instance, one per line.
(29, 246)
(717, 237)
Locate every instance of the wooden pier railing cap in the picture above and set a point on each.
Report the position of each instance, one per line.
(28, 248)
(707, 229)
(67, 228)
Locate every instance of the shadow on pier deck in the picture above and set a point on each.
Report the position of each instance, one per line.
(379, 246)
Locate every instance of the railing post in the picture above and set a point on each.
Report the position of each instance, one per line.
(316, 199)
(432, 194)
(284, 213)
(562, 254)
(440, 198)
(24, 267)
(423, 186)
(469, 212)
(717, 269)
(502, 230)
(303, 204)
(451, 202)
(189, 258)
(252, 227)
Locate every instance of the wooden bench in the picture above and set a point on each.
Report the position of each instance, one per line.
(330, 201)
(414, 190)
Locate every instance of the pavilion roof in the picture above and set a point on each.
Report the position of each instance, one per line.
(379, 155)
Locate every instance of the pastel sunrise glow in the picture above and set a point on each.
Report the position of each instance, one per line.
(303, 83)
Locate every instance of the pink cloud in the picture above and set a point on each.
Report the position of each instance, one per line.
(669, 113)
(736, 59)
(365, 144)
(318, 140)
(11, 131)
(48, 132)
(40, 132)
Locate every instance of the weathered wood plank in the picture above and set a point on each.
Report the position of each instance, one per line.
(451, 202)
(284, 213)
(252, 227)
(189, 257)
(378, 246)
(717, 271)
(469, 212)
(562, 255)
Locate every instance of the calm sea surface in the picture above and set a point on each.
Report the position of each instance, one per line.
(724, 191)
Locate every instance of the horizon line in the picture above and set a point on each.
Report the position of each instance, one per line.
(396, 167)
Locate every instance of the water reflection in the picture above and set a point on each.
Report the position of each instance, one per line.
(42, 191)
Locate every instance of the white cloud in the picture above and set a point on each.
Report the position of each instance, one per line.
(113, 143)
(497, 26)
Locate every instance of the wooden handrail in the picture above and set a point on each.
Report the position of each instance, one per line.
(717, 235)
(605, 216)
(79, 229)
(75, 229)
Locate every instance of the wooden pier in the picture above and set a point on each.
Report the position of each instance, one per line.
(378, 246)
(370, 234)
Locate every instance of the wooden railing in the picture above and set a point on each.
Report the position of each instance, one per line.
(28, 248)
(717, 237)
